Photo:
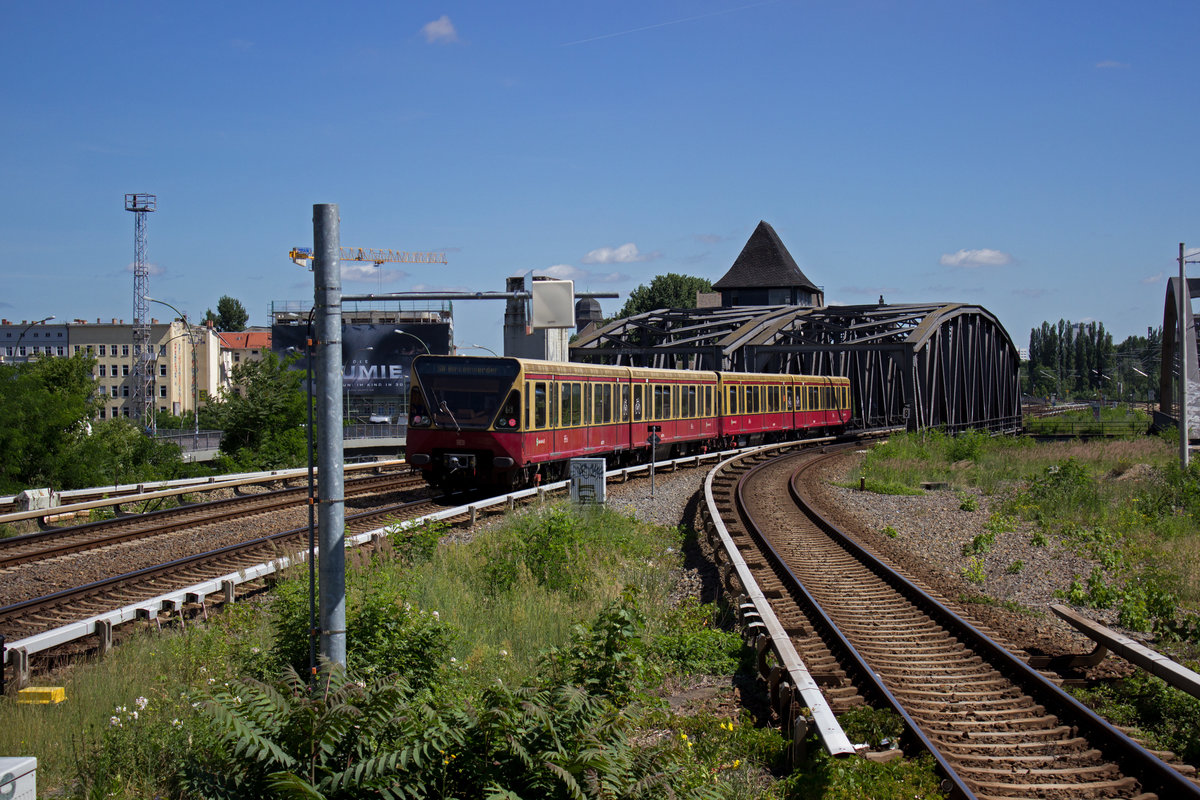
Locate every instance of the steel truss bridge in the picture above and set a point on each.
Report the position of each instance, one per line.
(931, 365)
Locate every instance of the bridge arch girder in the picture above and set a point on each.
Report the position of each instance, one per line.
(924, 365)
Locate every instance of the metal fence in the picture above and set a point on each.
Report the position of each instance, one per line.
(191, 441)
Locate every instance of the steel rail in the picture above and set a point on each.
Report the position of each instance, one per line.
(914, 740)
(174, 488)
(1135, 760)
(833, 738)
(166, 521)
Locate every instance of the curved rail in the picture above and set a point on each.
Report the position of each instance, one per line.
(1008, 759)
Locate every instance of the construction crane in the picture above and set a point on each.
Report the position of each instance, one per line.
(301, 255)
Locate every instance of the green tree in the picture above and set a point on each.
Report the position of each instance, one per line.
(264, 425)
(45, 406)
(665, 291)
(231, 315)
(117, 451)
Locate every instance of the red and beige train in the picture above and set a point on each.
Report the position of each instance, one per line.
(510, 422)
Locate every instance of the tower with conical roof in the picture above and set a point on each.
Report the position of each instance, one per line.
(765, 274)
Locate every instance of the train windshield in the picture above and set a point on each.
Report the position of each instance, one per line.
(463, 393)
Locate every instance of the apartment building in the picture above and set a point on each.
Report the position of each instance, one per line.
(179, 385)
(239, 347)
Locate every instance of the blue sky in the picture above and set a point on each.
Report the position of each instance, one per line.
(1036, 158)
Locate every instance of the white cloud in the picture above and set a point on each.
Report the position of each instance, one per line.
(364, 273)
(976, 258)
(429, 287)
(151, 269)
(440, 30)
(1153, 279)
(625, 254)
(567, 272)
(708, 238)
(1111, 65)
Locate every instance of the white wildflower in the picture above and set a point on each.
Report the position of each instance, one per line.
(114, 722)
(436, 615)
(504, 654)
(133, 715)
(141, 703)
(175, 723)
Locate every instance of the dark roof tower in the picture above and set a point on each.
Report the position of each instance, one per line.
(765, 274)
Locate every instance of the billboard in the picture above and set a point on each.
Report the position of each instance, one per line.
(375, 358)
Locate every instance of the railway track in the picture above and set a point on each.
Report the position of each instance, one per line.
(997, 728)
(57, 542)
(32, 616)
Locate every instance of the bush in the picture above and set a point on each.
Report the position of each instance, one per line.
(390, 635)
(692, 643)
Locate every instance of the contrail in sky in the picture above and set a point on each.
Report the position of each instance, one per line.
(665, 24)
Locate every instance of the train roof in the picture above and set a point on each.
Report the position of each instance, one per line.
(582, 368)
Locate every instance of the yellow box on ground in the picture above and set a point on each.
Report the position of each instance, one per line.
(42, 695)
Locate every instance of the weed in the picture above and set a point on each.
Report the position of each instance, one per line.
(877, 727)
(967, 502)
(1015, 567)
(974, 571)
(890, 532)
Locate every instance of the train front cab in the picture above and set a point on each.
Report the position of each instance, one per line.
(464, 419)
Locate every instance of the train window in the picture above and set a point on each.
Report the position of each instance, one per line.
(733, 405)
(539, 405)
(587, 404)
(576, 404)
(658, 402)
(607, 403)
(691, 403)
(625, 402)
(552, 404)
(787, 397)
(637, 401)
(528, 405)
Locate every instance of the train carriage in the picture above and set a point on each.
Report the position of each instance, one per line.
(504, 422)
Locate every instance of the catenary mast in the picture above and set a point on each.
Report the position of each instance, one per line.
(141, 204)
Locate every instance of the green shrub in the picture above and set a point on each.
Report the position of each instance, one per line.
(607, 657)
(389, 634)
(416, 543)
(890, 532)
(691, 642)
(974, 571)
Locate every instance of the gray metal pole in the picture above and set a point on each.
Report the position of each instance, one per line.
(331, 507)
(1184, 347)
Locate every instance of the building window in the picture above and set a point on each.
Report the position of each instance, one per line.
(76, 350)
(125, 350)
(101, 412)
(162, 370)
(116, 412)
(125, 411)
(102, 352)
(116, 391)
(89, 350)
(62, 351)
(238, 356)
(124, 370)
(162, 349)
(22, 350)
(8, 351)
(103, 371)
(162, 390)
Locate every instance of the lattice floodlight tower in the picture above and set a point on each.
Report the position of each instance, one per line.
(141, 204)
